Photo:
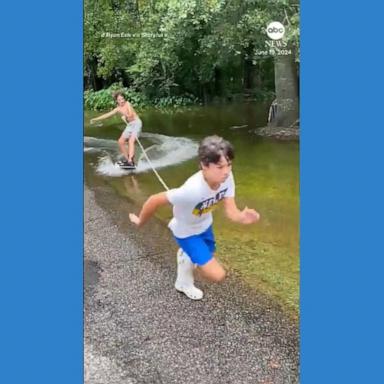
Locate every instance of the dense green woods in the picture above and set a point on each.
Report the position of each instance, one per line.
(179, 52)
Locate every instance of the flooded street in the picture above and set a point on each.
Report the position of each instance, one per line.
(266, 173)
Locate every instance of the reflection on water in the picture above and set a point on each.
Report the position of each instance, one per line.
(267, 178)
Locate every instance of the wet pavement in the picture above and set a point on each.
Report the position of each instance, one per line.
(138, 329)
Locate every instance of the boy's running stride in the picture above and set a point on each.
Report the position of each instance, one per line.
(193, 202)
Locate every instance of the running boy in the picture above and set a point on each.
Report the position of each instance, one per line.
(131, 132)
(193, 202)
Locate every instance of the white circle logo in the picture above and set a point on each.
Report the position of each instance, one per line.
(275, 30)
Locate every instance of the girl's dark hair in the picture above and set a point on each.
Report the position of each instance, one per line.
(116, 94)
(212, 148)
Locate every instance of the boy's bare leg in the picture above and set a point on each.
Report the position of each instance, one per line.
(123, 147)
(212, 271)
(131, 147)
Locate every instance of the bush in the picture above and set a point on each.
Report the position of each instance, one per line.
(175, 101)
(102, 100)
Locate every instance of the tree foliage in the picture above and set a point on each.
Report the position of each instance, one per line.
(193, 48)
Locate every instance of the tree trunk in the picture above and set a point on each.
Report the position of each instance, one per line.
(205, 94)
(249, 71)
(218, 83)
(286, 87)
(93, 81)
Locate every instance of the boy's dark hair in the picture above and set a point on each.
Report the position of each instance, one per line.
(116, 94)
(212, 148)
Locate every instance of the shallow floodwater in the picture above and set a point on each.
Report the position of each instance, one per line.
(266, 172)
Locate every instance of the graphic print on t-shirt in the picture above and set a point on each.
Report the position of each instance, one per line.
(209, 204)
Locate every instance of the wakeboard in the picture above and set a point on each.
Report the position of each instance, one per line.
(123, 164)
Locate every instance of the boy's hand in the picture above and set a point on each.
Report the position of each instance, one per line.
(92, 121)
(134, 219)
(249, 216)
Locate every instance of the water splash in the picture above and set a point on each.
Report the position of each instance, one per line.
(94, 144)
(164, 151)
(108, 167)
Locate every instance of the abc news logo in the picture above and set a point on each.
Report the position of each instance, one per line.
(275, 30)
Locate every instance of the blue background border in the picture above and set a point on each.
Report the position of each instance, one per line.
(42, 193)
(341, 193)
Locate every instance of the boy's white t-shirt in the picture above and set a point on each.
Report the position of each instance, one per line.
(193, 203)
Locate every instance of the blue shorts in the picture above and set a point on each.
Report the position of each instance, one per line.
(199, 248)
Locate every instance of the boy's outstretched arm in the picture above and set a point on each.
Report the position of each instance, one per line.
(149, 208)
(246, 216)
(105, 116)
